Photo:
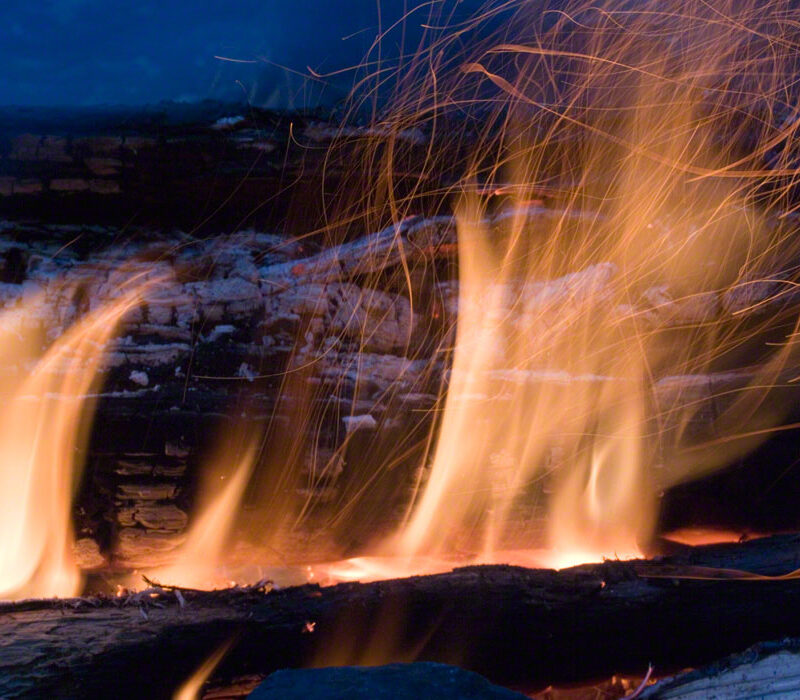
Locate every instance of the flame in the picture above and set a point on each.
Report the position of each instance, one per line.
(377, 568)
(694, 536)
(569, 405)
(190, 690)
(504, 416)
(43, 430)
(631, 113)
(201, 558)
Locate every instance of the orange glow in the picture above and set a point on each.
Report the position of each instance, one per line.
(43, 430)
(699, 536)
(381, 568)
(567, 401)
(593, 333)
(376, 568)
(190, 690)
(201, 558)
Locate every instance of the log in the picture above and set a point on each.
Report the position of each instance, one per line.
(767, 669)
(204, 167)
(235, 312)
(239, 310)
(514, 625)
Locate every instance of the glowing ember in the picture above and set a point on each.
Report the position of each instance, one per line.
(377, 568)
(700, 536)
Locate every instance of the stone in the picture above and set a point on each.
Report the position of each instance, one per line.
(431, 681)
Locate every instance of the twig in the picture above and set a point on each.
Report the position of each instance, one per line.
(636, 693)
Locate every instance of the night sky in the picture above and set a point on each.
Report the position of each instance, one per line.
(90, 52)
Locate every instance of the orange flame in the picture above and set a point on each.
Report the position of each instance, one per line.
(631, 112)
(568, 401)
(190, 690)
(200, 559)
(43, 430)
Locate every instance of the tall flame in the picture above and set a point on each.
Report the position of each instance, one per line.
(533, 375)
(200, 560)
(570, 401)
(43, 430)
(551, 401)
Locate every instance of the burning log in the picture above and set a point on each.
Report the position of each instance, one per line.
(592, 349)
(514, 625)
(228, 313)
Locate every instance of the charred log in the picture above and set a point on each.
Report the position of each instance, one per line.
(511, 624)
(233, 317)
(205, 167)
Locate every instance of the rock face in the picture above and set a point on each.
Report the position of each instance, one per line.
(395, 682)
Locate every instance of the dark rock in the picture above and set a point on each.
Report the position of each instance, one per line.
(396, 681)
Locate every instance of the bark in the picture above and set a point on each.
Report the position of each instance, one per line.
(766, 669)
(514, 625)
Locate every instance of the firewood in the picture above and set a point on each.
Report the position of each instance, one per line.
(767, 669)
(235, 312)
(511, 624)
(232, 314)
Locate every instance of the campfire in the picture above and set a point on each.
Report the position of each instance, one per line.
(503, 375)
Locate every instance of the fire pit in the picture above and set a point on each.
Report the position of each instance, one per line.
(503, 376)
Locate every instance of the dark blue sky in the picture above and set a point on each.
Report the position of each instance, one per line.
(88, 52)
